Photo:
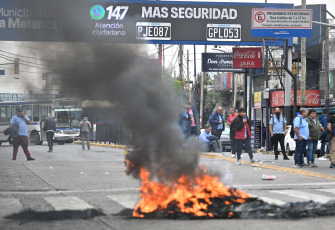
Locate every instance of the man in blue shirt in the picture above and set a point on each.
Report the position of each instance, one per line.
(278, 125)
(21, 120)
(210, 140)
(301, 136)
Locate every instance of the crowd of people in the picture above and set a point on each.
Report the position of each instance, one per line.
(306, 130)
(18, 131)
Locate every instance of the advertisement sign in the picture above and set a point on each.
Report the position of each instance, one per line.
(257, 100)
(277, 98)
(281, 23)
(219, 62)
(247, 57)
(130, 21)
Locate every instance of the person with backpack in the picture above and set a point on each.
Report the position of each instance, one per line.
(278, 126)
(301, 135)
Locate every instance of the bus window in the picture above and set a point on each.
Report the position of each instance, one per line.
(44, 112)
(14, 110)
(36, 114)
(63, 117)
(4, 114)
(76, 116)
(9, 113)
(27, 109)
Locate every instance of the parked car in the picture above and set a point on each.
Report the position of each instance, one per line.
(225, 140)
(290, 143)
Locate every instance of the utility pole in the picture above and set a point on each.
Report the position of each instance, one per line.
(303, 65)
(202, 94)
(267, 112)
(235, 89)
(195, 75)
(326, 60)
(188, 78)
(181, 55)
(288, 86)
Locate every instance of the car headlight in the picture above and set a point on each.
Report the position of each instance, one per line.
(59, 131)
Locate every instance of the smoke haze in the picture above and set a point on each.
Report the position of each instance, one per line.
(142, 102)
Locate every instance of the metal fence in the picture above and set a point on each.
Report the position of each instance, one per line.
(111, 134)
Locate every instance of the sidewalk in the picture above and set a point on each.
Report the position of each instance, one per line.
(266, 160)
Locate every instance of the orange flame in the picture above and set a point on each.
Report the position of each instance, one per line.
(190, 196)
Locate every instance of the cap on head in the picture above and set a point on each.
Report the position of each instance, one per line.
(85, 118)
(19, 110)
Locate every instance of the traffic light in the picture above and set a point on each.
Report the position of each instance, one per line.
(17, 66)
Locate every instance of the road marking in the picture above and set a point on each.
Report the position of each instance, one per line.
(9, 206)
(69, 191)
(269, 200)
(304, 195)
(331, 190)
(126, 200)
(68, 203)
(283, 169)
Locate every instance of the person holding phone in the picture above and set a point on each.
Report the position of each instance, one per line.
(242, 135)
(20, 121)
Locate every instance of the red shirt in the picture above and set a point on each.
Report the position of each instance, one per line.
(231, 118)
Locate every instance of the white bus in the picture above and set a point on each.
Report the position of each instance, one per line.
(35, 110)
(67, 112)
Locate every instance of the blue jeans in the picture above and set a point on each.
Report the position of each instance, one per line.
(300, 147)
(312, 145)
(239, 144)
(322, 149)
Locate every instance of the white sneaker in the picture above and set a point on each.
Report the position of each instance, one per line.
(233, 156)
(323, 158)
(239, 162)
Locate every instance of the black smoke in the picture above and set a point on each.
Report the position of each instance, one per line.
(141, 101)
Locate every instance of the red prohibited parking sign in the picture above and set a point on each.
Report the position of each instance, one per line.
(260, 17)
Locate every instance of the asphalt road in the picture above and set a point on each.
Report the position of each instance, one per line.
(76, 180)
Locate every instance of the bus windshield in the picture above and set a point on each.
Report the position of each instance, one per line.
(68, 117)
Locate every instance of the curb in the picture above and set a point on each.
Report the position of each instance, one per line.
(104, 145)
(268, 166)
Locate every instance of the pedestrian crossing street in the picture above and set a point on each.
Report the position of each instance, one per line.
(10, 206)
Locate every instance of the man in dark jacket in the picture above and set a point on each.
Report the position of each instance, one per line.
(217, 122)
(50, 129)
(242, 135)
(323, 118)
(314, 134)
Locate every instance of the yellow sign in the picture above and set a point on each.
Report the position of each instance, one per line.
(257, 100)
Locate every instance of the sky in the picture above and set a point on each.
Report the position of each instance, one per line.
(11, 83)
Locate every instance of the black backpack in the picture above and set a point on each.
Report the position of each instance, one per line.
(292, 132)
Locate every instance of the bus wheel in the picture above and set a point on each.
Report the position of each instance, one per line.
(35, 138)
